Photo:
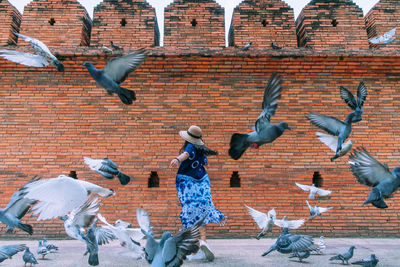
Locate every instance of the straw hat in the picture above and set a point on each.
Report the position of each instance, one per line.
(192, 135)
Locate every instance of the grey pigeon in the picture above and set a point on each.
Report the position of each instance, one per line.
(316, 211)
(275, 46)
(91, 245)
(106, 49)
(6, 252)
(386, 38)
(313, 190)
(49, 246)
(247, 46)
(370, 262)
(344, 257)
(42, 58)
(115, 46)
(371, 172)
(42, 250)
(265, 132)
(115, 72)
(334, 127)
(332, 142)
(301, 255)
(264, 221)
(292, 243)
(28, 257)
(171, 250)
(107, 168)
(356, 105)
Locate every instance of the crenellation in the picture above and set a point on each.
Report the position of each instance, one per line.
(10, 23)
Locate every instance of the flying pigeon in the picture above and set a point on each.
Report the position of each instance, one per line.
(49, 246)
(6, 252)
(107, 168)
(316, 211)
(265, 132)
(91, 245)
(290, 225)
(42, 250)
(387, 38)
(334, 127)
(275, 46)
(115, 46)
(332, 142)
(121, 223)
(115, 72)
(264, 221)
(300, 255)
(106, 49)
(345, 257)
(370, 262)
(58, 196)
(28, 257)
(42, 58)
(313, 190)
(171, 250)
(371, 172)
(247, 46)
(356, 105)
(292, 243)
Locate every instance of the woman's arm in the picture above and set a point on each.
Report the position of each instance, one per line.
(176, 161)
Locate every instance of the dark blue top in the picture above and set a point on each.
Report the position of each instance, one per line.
(194, 165)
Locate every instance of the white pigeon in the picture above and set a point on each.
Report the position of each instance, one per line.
(313, 190)
(106, 49)
(321, 245)
(332, 142)
(42, 250)
(386, 38)
(59, 196)
(42, 58)
(264, 221)
(316, 211)
(122, 224)
(128, 238)
(284, 223)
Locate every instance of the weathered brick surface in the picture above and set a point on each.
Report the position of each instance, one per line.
(131, 24)
(384, 16)
(326, 24)
(194, 24)
(10, 21)
(263, 22)
(51, 120)
(57, 22)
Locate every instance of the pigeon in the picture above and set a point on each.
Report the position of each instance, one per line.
(121, 223)
(107, 168)
(115, 72)
(356, 105)
(171, 250)
(290, 225)
(128, 238)
(28, 257)
(313, 190)
(321, 245)
(301, 255)
(386, 38)
(59, 196)
(91, 245)
(264, 221)
(42, 58)
(334, 127)
(316, 211)
(106, 49)
(345, 257)
(49, 246)
(247, 46)
(371, 172)
(292, 243)
(42, 250)
(372, 261)
(115, 46)
(332, 142)
(6, 252)
(265, 132)
(275, 46)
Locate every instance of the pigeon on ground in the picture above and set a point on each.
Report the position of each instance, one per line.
(316, 211)
(321, 245)
(313, 190)
(106, 49)
(91, 245)
(265, 132)
(247, 46)
(332, 142)
(275, 46)
(371, 172)
(49, 246)
(290, 225)
(370, 262)
(115, 46)
(107, 168)
(42, 250)
(115, 72)
(28, 257)
(171, 250)
(301, 255)
(6, 252)
(334, 127)
(264, 221)
(345, 257)
(386, 38)
(356, 105)
(42, 58)
(292, 243)
(59, 196)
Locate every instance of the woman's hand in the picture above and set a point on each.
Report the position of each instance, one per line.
(174, 163)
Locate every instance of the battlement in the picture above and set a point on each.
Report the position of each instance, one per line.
(10, 21)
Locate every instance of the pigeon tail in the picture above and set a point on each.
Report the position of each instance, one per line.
(238, 145)
(376, 199)
(123, 178)
(127, 96)
(269, 250)
(337, 257)
(260, 235)
(335, 157)
(58, 65)
(26, 227)
(93, 259)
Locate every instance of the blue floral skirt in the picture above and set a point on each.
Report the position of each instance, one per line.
(196, 201)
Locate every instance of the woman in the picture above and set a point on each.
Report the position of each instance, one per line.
(193, 186)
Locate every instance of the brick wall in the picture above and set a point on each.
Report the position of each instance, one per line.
(10, 21)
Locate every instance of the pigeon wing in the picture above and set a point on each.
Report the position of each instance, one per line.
(143, 219)
(272, 214)
(135, 233)
(303, 186)
(348, 97)
(104, 235)
(327, 123)
(119, 68)
(11, 250)
(376, 40)
(24, 58)
(329, 140)
(299, 243)
(83, 216)
(361, 94)
(259, 217)
(322, 210)
(323, 192)
(36, 44)
(390, 34)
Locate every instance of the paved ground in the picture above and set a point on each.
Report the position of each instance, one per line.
(228, 252)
